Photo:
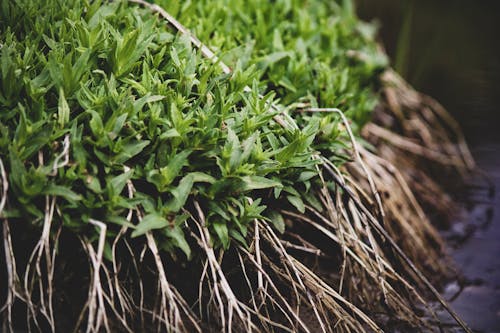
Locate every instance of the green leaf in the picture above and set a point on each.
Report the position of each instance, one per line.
(139, 104)
(62, 110)
(96, 124)
(297, 203)
(148, 223)
(119, 220)
(116, 184)
(201, 177)
(101, 14)
(226, 185)
(306, 175)
(93, 184)
(286, 153)
(79, 68)
(291, 190)
(220, 229)
(257, 183)
(273, 58)
(248, 146)
(277, 220)
(55, 71)
(130, 150)
(216, 209)
(61, 191)
(312, 200)
(235, 234)
(117, 125)
(180, 194)
(176, 234)
(174, 166)
(233, 149)
(171, 133)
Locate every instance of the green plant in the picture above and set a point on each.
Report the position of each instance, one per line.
(119, 128)
(144, 98)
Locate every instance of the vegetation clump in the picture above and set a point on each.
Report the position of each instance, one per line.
(234, 167)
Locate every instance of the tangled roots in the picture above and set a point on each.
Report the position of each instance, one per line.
(418, 136)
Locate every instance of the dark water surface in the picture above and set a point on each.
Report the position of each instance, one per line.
(450, 49)
(477, 297)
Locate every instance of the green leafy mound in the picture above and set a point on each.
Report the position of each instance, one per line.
(139, 103)
(316, 52)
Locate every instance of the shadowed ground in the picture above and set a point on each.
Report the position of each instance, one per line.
(479, 256)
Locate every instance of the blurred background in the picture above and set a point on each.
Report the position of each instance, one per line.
(450, 50)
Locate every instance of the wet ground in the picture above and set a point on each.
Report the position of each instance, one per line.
(477, 248)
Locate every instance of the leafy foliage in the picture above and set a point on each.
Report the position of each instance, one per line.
(141, 106)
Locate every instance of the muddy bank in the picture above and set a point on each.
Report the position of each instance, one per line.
(475, 246)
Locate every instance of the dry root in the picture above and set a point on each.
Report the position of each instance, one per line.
(416, 134)
(284, 290)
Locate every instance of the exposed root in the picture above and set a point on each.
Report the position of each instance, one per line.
(5, 187)
(124, 302)
(405, 219)
(10, 260)
(276, 298)
(410, 130)
(121, 299)
(35, 273)
(12, 278)
(363, 220)
(220, 283)
(64, 156)
(317, 293)
(425, 120)
(45, 277)
(381, 231)
(171, 302)
(96, 317)
(313, 295)
(356, 151)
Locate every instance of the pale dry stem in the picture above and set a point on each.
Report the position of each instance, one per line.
(355, 148)
(220, 281)
(10, 261)
(44, 250)
(96, 306)
(41, 251)
(401, 254)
